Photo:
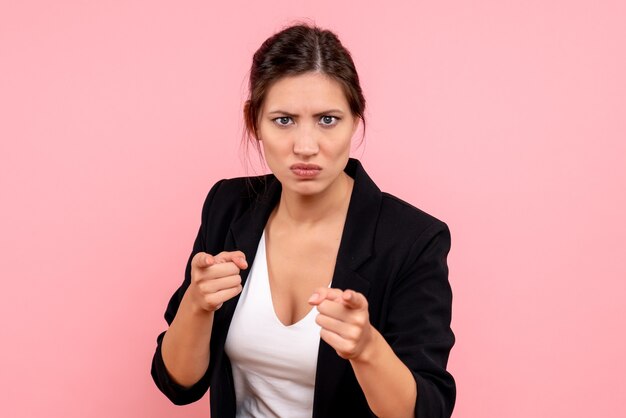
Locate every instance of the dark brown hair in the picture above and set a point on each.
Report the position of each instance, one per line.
(299, 49)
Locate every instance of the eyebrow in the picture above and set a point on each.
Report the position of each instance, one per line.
(325, 112)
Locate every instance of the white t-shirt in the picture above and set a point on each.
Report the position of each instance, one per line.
(273, 365)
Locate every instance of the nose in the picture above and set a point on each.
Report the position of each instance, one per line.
(306, 142)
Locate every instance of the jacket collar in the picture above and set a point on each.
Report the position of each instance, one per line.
(357, 242)
(356, 246)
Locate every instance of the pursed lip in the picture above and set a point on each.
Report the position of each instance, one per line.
(303, 166)
(306, 171)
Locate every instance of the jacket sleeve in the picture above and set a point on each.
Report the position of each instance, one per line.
(180, 395)
(418, 324)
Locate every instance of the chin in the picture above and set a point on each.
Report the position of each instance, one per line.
(304, 188)
(307, 189)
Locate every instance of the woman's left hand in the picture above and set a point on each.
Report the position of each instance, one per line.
(344, 318)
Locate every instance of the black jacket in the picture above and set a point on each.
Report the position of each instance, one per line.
(392, 252)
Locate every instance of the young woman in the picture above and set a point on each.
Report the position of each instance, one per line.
(309, 292)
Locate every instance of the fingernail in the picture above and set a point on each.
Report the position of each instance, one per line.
(313, 297)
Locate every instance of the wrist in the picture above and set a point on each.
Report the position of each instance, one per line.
(193, 309)
(371, 347)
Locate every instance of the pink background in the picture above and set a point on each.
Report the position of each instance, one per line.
(505, 119)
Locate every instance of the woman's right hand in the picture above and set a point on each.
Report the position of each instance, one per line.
(215, 279)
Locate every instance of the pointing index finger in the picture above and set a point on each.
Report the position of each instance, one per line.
(324, 293)
(203, 260)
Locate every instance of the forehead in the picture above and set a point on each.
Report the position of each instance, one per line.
(305, 92)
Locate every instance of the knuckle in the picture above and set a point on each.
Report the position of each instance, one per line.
(219, 258)
(197, 256)
(360, 321)
(196, 277)
(211, 299)
(353, 334)
(205, 289)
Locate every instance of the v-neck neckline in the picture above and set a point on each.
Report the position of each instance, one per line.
(265, 266)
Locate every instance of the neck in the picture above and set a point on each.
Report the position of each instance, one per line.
(310, 210)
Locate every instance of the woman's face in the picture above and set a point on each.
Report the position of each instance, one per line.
(306, 128)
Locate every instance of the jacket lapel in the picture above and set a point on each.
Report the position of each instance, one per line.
(357, 245)
(246, 232)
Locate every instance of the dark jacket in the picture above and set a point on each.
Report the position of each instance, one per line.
(392, 252)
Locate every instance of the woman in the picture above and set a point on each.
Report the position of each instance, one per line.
(309, 292)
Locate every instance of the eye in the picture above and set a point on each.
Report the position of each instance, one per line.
(282, 120)
(327, 120)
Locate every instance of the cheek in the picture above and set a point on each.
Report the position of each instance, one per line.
(340, 140)
(274, 149)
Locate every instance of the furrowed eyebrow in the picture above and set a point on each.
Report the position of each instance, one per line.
(326, 112)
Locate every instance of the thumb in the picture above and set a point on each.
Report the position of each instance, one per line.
(241, 262)
(354, 300)
(237, 257)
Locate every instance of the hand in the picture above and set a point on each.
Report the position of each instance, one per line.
(344, 318)
(215, 279)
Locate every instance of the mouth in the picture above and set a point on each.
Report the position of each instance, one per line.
(305, 170)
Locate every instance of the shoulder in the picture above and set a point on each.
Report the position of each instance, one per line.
(406, 234)
(241, 187)
(396, 225)
(394, 214)
(230, 198)
(238, 191)
(401, 218)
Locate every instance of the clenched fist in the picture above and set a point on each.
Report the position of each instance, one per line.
(215, 279)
